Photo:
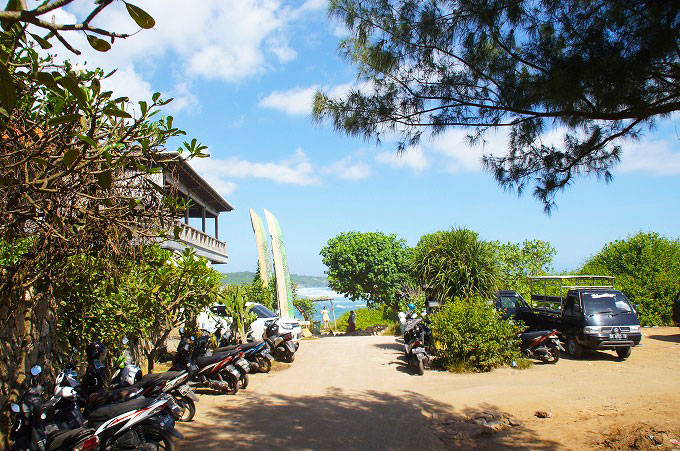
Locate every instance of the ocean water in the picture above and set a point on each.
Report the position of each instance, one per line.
(340, 302)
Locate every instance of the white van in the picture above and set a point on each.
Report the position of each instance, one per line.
(264, 314)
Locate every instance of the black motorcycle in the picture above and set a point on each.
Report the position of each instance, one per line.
(282, 344)
(217, 371)
(543, 345)
(418, 343)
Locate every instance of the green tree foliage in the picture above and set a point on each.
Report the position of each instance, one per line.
(143, 300)
(235, 298)
(306, 308)
(597, 71)
(371, 266)
(471, 336)
(455, 264)
(647, 269)
(517, 261)
(380, 316)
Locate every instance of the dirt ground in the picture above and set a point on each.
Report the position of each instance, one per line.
(357, 393)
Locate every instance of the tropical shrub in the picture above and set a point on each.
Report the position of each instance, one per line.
(305, 307)
(234, 298)
(381, 316)
(471, 335)
(647, 269)
(455, 264)
(369, 266)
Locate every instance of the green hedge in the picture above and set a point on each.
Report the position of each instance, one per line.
(471, 336)
(369, 317)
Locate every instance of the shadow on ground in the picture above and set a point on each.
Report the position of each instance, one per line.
(667, 338)
(368, 420)
(591, 355)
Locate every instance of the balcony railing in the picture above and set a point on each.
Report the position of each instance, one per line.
(202, 241)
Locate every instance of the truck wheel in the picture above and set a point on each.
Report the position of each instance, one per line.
(574, 349)
(624, 353)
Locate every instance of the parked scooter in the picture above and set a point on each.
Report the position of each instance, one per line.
(239, 362)
(543, 345)
(216, 372)
(174, 383)
(152, 420)
(257, 353)
(418, 342)
(282, 344)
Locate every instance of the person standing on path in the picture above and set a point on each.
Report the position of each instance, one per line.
(325, 317)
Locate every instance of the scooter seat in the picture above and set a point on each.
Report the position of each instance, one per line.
(158, 377)
(529, 336)
(210, 359)
(110, 397)
(67, 439)
(227, 348)
(105, 413)
(251, 345)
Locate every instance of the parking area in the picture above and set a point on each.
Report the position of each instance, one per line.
(357, 393)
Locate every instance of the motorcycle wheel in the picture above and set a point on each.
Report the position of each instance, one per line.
(189, 408)
(289, 357)
(421, 367)
(554, 354)
(264, 364)
(243, 381)
(156, 439)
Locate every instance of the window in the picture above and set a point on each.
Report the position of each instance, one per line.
(508, 302)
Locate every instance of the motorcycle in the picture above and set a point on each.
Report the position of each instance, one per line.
(543, 345)
(417, 343)
(239, 362)
(216, 372)
(255, 352)
(149, 422)
(173, 382)
(282, 344)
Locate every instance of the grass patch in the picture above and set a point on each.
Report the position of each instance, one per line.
(523, 364)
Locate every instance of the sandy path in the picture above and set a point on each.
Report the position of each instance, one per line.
(356, 393)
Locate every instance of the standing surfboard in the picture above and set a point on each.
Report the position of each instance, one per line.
(284, 288)
(263, 255)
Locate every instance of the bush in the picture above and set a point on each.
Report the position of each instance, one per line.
(471, 336)
(369, 317)
(455, 264)
(647, 269)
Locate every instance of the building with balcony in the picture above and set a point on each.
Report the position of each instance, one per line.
(201, 217)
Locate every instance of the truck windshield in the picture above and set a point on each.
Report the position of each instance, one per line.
(596, 302)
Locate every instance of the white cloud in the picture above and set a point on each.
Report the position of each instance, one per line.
(347, 169)
(413, 158)
(298, 101)
(654, 157)
(295, 102)
(231, 40)
(297, 170)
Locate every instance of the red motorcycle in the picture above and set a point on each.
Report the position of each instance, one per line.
(543, 345)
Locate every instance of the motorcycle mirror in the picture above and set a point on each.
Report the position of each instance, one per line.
(125, 340)
(15, 408)
(192, 338)
(181, 330)
(74, 349)
(36, 370)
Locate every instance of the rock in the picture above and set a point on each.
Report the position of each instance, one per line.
(514, 422)
(542, 414)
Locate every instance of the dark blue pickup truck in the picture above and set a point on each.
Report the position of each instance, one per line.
(588, 313)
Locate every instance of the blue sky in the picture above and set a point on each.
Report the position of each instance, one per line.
(242, 73)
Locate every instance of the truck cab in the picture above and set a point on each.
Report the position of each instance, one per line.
(590, 315)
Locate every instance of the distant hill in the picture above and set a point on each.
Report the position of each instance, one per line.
(246, 278)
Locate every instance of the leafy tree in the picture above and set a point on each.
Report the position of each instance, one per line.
(471, 336)
(371, 266)
(143, 300)
(455, 264)
(78, 175)
(518, 261)
(647, 269)
(596, 71)
(306, 308)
